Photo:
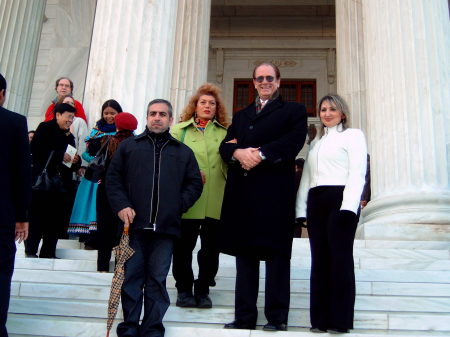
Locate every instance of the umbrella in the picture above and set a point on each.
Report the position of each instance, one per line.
(122, 253)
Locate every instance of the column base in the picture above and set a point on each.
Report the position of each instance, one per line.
(409, 216)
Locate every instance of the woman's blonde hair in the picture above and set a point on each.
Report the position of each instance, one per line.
(210, 90)
(340, 105)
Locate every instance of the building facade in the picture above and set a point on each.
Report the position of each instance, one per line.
(388, 59)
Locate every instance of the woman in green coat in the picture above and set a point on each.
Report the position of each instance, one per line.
(202, 128)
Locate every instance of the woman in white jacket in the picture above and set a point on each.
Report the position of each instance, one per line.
(328, 199)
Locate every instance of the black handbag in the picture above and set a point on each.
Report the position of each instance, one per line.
(45, 183)
(97, 167)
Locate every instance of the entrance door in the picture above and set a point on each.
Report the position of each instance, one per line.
(302, 91)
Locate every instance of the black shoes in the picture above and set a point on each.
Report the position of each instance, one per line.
(239, 325)
(317, 330)
(33, 256)
(275, 327)
(203, 301)
(186, 300)
(338, 331)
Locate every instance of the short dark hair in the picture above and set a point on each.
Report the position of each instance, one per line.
(31, 131)
(62, 108)
(64, 78)
(2, 83)
(161, 100)
(270, 64)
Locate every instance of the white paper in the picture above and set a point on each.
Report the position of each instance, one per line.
(71, 151)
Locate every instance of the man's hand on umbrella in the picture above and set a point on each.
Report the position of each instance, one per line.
(127, 215)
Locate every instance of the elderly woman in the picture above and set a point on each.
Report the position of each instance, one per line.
(50, 210)
(329, 197)
(202, 128)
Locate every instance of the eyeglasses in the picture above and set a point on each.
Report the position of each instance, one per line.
(260, 79)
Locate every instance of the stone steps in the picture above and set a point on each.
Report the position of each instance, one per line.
(404, 290)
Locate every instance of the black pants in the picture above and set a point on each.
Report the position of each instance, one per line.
(108, 229)
(207, 256)
(7, 254)
(277, 292)
(331, 235)
(145, 280)
(49, 216)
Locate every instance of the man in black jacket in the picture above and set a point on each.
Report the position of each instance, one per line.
(15, 194)
(151, 181)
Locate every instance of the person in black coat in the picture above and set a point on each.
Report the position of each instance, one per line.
(15, 194)
(50, 210)
(258, 208)
(152, 179)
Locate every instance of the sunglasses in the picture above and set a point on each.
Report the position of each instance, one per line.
(260, 79)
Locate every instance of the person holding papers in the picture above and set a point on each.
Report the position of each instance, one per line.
(50, 209)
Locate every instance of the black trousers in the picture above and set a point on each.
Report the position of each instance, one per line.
(331, 235)
(7, 254)
(277, 289)
(145, 281)
(108, 229)
(207, 256)
(49, 217)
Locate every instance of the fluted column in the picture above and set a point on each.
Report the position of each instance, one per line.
(20, 31)
(407, 44)
(190, 62)
(131, 55)
(350, 59)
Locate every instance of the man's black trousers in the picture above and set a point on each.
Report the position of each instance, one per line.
(277, 290)
(7, 254)
(145, 280)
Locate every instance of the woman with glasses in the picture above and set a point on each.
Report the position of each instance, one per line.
(328, 199)
(202, 128)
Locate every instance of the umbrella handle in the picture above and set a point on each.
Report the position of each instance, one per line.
(125, 231)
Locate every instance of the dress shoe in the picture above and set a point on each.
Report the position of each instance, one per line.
(317, 330)
(33, 256)
(186, 300)
(239, 325)
(275, 327)
(203, 301)
(336, 331)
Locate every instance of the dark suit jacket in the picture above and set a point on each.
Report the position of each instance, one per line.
(15, 168)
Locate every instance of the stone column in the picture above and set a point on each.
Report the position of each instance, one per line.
(20, 31)
(350, 59)
(407, 44)
(131, 55)
(190, 62)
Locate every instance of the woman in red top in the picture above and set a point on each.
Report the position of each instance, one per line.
(64, 87)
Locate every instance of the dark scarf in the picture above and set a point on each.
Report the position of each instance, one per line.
(105, 127)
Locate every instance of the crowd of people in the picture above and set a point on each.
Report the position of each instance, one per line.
(235, 185)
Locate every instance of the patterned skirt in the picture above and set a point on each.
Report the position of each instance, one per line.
(84, 212)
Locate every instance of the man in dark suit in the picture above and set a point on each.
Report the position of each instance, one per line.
(15, 193)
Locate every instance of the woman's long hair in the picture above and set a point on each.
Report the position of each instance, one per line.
(115, 140)
(112, 104)
(210, 90)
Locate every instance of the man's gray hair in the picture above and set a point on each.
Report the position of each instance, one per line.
(161, 100)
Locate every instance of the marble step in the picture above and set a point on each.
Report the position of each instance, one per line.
(94, 278)
(302, 287)
(43, 326)
(227, 263)
(220, 315)
(91, 294)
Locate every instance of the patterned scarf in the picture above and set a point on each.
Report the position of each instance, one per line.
(259, 105)
(201, 124)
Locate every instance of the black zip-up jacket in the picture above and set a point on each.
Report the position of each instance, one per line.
(129, 182)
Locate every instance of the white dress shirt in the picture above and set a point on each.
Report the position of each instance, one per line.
(338, 158)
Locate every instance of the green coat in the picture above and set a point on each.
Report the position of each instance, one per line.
(206, 150)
